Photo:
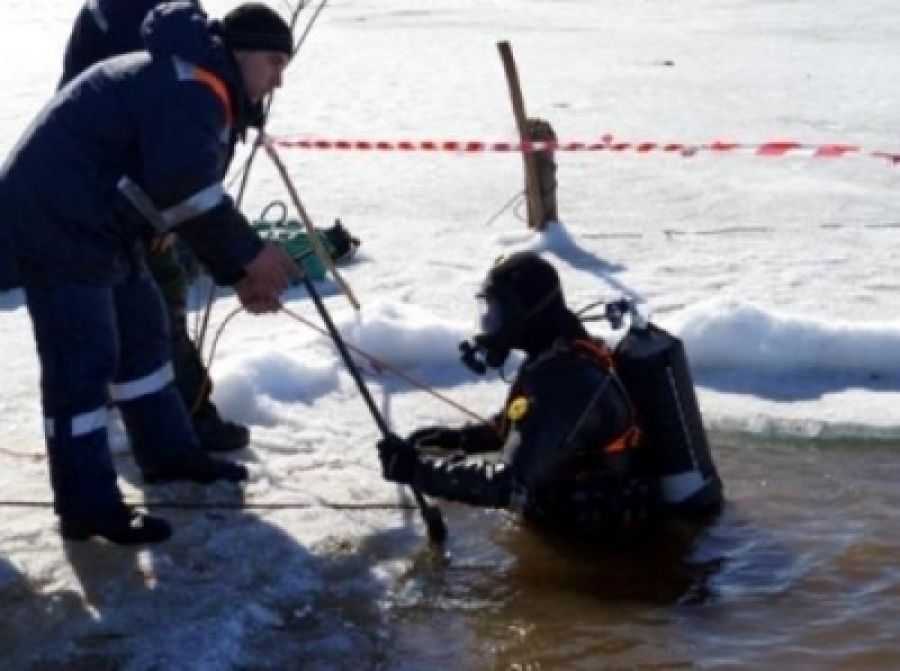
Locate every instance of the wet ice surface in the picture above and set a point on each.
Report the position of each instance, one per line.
(779, 273)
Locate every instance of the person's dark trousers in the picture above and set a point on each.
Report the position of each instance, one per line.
(99, 343)
(190, 373)
(9, 275)
(191, 376)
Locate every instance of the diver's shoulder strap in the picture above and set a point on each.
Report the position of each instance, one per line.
(599, 351)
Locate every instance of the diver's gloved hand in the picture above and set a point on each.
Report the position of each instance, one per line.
(436, 436)
(398, 459)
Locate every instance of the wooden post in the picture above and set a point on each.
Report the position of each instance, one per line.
(314, 240)
(541, 131)
(532, 188)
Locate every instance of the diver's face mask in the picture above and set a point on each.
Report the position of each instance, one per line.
(490, 314)
(516, 291)
(500, 323)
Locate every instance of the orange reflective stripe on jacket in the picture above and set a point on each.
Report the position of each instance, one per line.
(218, 87)
(186, 71)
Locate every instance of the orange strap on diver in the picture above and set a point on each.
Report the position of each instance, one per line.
(627, 441)
(598, 351)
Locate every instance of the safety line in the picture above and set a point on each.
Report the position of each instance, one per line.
(380, 365)
(607, 143)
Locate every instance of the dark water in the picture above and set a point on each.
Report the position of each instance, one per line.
(801, 570)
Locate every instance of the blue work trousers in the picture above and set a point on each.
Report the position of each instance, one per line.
(100, 345)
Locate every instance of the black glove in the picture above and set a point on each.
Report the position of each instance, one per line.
(398, 459)
(436, 436)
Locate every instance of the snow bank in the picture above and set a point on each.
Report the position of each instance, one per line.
(402, 335)
(734, 335)
(247, 386)
(734, 347)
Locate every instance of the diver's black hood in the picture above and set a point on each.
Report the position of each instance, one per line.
(526, 308)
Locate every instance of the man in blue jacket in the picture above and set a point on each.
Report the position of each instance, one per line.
(107, 28)
(131, 149)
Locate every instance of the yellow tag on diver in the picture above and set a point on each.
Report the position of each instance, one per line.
(517, 408)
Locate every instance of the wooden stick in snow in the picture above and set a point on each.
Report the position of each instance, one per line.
(532, 183)
(314, 240)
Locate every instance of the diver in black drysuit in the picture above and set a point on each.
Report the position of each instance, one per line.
(565, 451)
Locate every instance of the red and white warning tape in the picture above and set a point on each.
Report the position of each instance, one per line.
(606, 143)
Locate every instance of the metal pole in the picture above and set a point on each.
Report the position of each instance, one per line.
(431, 514)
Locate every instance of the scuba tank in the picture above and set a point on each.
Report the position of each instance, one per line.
(653, 366)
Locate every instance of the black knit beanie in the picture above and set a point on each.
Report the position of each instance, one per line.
(255, 27)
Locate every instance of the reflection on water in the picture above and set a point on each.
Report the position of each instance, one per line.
(801, 570)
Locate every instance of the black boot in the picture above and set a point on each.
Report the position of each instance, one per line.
(217, 435)
(197, 467)
(125, 527)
